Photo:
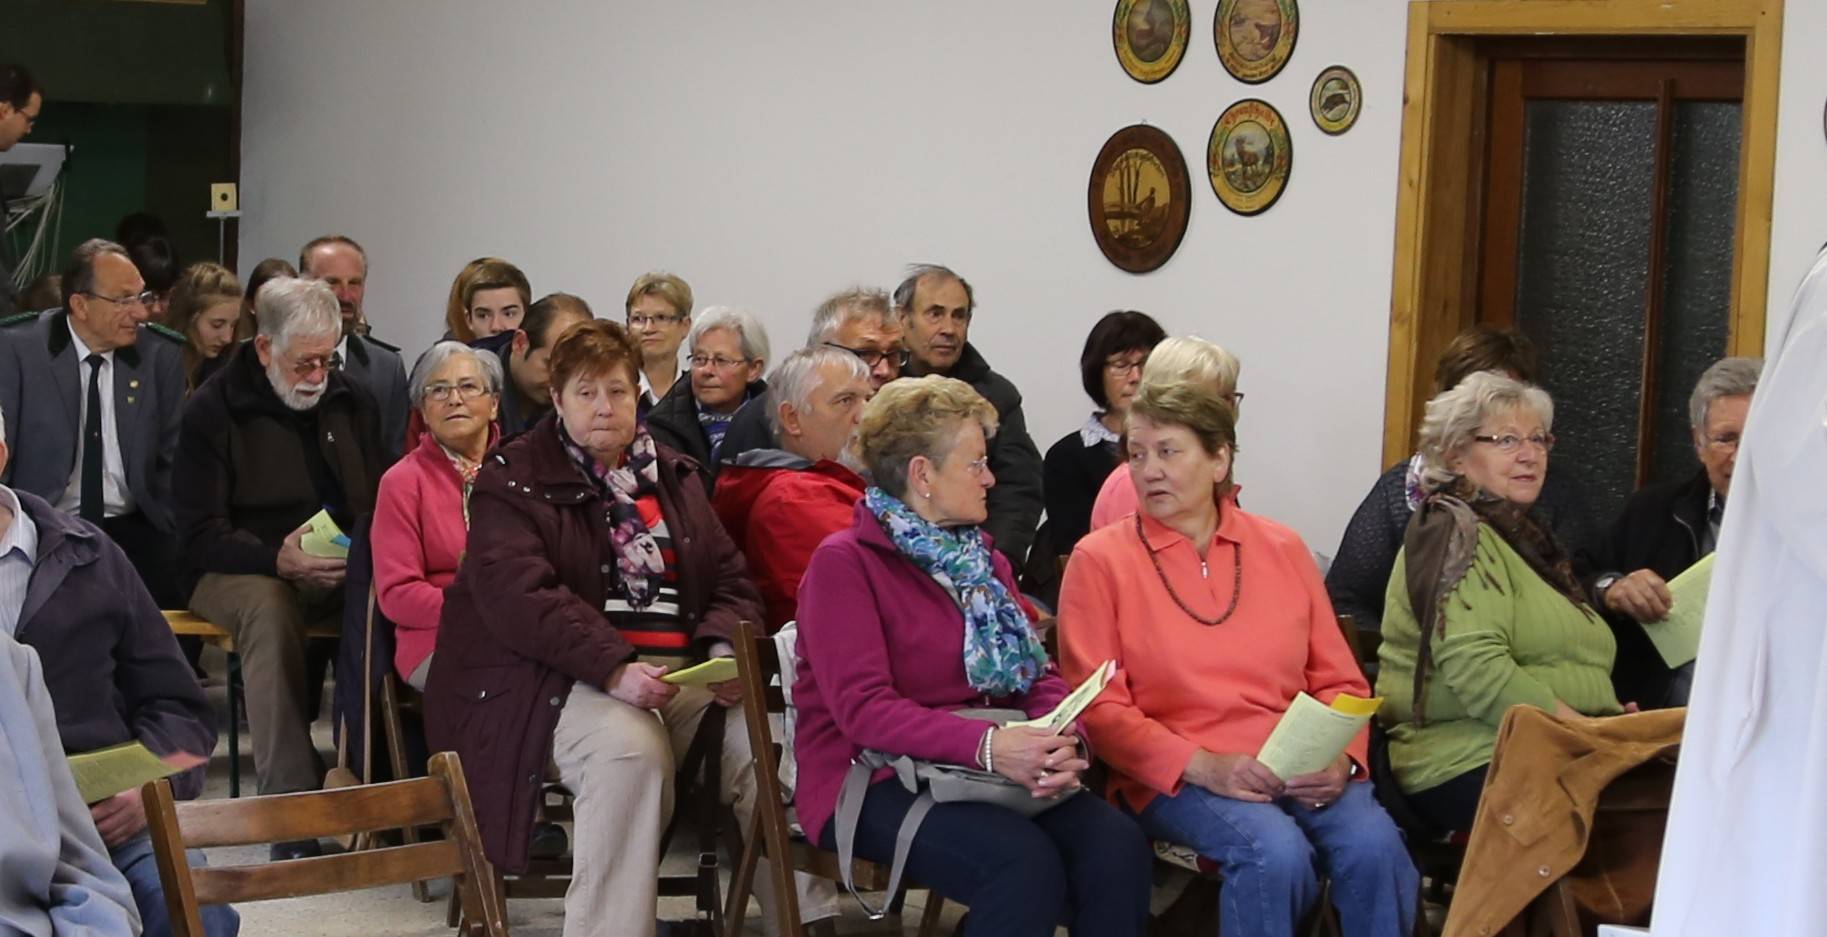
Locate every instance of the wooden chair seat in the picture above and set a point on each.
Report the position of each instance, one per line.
(441, 799)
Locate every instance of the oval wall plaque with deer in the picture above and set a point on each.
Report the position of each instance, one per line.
(1249, 156)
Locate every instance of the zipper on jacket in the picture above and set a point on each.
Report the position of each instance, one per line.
(1205, 570)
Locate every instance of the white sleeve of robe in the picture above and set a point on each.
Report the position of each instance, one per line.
(1746, 849)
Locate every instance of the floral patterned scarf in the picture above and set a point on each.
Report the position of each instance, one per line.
(637, 555)
(1002, 656)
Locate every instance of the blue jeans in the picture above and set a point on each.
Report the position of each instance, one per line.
(1083, 863)
(1271, 857)
(135, 860)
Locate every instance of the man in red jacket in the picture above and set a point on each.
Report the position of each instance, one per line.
(779, 504)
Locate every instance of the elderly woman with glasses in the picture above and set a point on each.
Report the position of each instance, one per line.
(1218, 622)
(596, 566)
(421, 516)
(1483, 610)
(907, 616)
(729, 351)
(1077, 465)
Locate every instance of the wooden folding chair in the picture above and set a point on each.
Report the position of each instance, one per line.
(442, 798)
(758, 665)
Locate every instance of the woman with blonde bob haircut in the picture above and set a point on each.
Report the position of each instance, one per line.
(908, 616)
(1483, 610)
(1181, 360)
(1217, 621)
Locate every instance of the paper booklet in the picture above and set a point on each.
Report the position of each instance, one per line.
(105, 772)
(715, 670)
(1677, 637)
(325, 539)
(1311, 734)
(1074, 705)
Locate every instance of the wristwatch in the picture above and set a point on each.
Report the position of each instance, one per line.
(1604, 582)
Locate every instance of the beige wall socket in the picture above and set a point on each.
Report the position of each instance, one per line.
(222, 197)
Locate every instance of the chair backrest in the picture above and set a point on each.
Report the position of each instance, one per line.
(442, 798)
(1364, 646)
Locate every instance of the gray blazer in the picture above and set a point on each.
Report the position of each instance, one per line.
(39, 393)
(376, 366)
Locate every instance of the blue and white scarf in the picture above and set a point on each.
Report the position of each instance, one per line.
(1002, 655)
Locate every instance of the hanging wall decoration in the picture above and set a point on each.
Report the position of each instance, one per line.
(1140, 198)
(1335, 100)
(1255, 37)
(1150, 37)
(1249, 157)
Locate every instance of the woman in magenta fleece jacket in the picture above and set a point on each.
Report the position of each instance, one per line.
(421, 516)
(909, 615)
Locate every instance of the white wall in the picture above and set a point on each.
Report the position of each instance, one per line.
(773, 153)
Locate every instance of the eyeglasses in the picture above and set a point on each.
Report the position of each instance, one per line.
(1236, 400)
(978, 467)
(146, 298)
(1724, 442)
(305, 367)
(870, 356)
(1128, 366)
(643, 321)
(716, 362)
(465, 391)
(1509, 442)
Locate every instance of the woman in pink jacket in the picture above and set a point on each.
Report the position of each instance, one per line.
(908, 616)
(421, 516)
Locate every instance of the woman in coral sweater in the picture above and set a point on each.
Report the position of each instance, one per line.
(1217, 619)
(421, 516)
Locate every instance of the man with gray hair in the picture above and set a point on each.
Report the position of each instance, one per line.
(1664, 529)
(276, 436)
(936, 305)
(778, 504)
(97, 390)
(858, 320)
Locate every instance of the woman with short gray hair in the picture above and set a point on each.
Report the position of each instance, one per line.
(728, 354)
(908, 616)
(421, 516)
(1484, 610)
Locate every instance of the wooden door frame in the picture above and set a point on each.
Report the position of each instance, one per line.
(1441, 179)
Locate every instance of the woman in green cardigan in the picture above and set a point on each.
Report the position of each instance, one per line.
(1484, 610)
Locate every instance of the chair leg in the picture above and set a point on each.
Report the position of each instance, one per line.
(234, 724)
(929, 918)
(396, 755)
(742, 880)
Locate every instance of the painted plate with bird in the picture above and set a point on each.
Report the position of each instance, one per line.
(1255, 38)
(1150, 37)
(1140, 198)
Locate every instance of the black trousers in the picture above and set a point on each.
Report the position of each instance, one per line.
(153, 554)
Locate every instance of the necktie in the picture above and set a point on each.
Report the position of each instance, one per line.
(91, 506)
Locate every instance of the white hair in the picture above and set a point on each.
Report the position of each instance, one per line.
(1728, 377)
(1191, 359)
(854, 304)
(748, 330)
(1455, 414)
(435, 357)
(797, 377)
(290, 307)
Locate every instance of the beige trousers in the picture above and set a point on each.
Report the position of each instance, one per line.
(619, 761)
(268, 617)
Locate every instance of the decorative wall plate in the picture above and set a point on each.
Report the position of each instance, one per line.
(1140, 198)
(1255, 37)
(1249, 156)
(1150, 37)
(1335, 100)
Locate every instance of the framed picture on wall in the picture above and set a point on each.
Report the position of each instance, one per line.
(1255, 38)
(1140, 198)
(1150, 37)
(1249, 156)
(1335, 100)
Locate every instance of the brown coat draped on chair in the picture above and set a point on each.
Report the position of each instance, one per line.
(1580, 799)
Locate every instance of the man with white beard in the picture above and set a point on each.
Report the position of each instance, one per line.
(266, 443)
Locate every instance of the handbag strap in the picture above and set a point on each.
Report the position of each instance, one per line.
(849, 808)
